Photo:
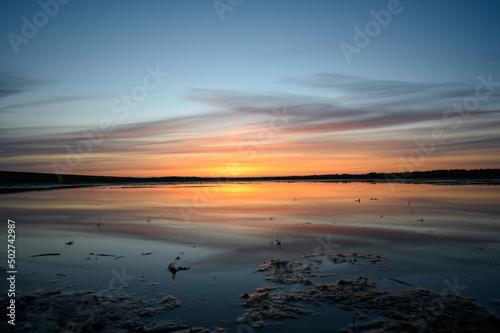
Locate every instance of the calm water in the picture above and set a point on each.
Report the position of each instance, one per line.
(433, 234)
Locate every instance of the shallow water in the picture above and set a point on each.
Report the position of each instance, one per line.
(223, 232)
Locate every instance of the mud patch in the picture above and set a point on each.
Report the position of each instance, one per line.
(264, 308)
(355, 257)
(410, 310)
(281, 270)
(86, 311)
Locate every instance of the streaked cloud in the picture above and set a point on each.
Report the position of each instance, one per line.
(318, 129)
(11, 84)
(52, 101)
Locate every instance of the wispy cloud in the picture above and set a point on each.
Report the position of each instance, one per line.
(392, 93)
(360, 85)
(52, 101)
(11, 84)
(321, 132)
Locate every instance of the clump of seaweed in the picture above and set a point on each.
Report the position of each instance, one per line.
(263, 306)
(286, 271)
(87, 311)
(410, 310)
(170, 302)
(353, 257)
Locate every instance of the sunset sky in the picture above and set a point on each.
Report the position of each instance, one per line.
(248, 88)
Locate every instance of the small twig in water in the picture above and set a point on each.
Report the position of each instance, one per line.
(46, 254)
(408, 284)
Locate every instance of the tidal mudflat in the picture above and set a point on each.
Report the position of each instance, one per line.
(250, 257)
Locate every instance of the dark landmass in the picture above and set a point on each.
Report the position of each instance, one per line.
(12, 181)
(14, 177)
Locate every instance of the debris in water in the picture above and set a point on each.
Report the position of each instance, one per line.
(46, 254)
(87, 311)
(285, 271)
(352, 257)
(406, 310)
(172, 267)
(170, 302)
(408, 284)
(102, 254)
(411, 310)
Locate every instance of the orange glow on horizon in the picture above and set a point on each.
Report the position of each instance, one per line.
(292, 167)
(223, 156)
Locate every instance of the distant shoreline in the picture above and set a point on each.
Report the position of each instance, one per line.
(11, 181)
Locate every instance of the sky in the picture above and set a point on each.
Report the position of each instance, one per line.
(248, 88)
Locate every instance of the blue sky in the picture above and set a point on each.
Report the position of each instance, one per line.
(225, 75)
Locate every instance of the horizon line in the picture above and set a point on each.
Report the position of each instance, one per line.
(407, 174)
